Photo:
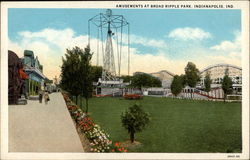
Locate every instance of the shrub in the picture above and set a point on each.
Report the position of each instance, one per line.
(134, 120)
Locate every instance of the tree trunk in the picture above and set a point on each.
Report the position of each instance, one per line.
(132, 137)
(225, 98)
(76, 99)
(87, 105)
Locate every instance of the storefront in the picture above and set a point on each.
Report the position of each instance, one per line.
(34, 69)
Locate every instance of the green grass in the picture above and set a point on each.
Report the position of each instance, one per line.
(176, 126)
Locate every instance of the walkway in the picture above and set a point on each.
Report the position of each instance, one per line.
(37, 127)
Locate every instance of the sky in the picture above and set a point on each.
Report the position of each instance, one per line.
(160, 39)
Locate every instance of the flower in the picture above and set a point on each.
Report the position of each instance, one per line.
(99, 139)
(117, 144)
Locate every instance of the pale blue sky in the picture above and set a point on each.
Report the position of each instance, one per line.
(148, 23)
(205, 29)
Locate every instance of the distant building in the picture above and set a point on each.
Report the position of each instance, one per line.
(165, 76)
(34, 69)
(217, 73)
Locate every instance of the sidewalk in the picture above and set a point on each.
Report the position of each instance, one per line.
(37, 127)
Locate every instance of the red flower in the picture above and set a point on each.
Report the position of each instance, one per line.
(116, 144)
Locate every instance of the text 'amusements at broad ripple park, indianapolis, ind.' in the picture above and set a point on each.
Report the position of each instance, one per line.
(172, 6)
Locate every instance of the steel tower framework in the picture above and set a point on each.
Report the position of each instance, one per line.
(113, 26)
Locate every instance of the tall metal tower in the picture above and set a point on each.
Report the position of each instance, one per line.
(113, 26)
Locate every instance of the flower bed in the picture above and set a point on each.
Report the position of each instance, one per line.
(99, 140)
(133, 96)
(118, 148)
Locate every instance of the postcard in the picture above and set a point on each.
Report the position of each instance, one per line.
(125, 80)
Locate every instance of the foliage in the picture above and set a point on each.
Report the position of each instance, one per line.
(133, 96)
(99, 139)
(118, 148)
(126, 78)
(176, 85)
(76, 77)
(227, 84)
(183, 80)
(207, 82)
(134, 120)
(72, 108)
(71, 75)
(86, 124)
(140, 80)
(96, 72)
(87, 79)
(192, 74)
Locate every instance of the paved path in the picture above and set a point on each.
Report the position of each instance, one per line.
(37, 127)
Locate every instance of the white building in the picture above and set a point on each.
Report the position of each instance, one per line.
(217, 73)
(165, 76)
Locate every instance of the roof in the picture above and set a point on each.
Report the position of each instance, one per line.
(220, 65)
(163, 71)
(35, 70)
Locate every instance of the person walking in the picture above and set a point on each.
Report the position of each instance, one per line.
(40, 96)
(46, 97)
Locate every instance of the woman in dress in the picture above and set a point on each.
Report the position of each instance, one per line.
(46, 97)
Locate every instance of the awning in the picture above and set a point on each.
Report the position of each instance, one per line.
(22, 74)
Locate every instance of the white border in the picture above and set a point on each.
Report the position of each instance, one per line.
(243, 5)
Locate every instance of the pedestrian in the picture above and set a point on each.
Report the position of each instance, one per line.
(40, 92)
(46, 97)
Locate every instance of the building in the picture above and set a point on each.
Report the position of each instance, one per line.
(16, 79)
(165, 76)
(34, 69)
(217, 73)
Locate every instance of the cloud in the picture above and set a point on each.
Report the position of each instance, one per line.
(229, 46)
(148, 42)
(50, 45)
(188, 33)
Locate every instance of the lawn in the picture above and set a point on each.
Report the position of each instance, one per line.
(177, 126)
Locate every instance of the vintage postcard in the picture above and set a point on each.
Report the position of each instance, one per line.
(125, 80)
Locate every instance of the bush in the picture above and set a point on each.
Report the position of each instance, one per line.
(134, 120)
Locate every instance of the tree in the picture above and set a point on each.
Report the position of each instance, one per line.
(134, 120)
(207, 82)
(183, 80)
(96, 72)
(126, 78)
(76, 77)
(141, 80)
(226, 84)
(70, 72)
(176, 85)
(191, 74)
(87, 79)
(155, 82)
